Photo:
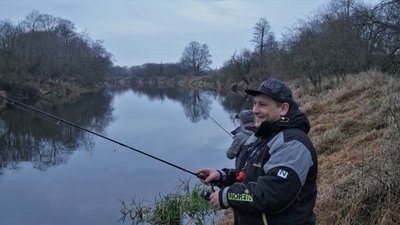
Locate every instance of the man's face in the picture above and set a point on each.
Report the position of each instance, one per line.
(266, 109)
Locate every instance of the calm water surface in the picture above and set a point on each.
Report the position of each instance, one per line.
(55, 174)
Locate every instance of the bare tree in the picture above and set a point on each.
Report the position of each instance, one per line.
(385, 22)
(265, 43)
(239, 66)
(196, 57)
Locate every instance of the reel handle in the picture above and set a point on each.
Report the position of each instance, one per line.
(206, 194)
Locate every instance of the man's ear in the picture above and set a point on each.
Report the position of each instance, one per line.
(285, 108)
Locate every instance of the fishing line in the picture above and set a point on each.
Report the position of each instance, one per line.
(209, 116)
(58, 119)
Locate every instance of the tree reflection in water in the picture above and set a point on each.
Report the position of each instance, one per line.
(197, 103)
(29, 137)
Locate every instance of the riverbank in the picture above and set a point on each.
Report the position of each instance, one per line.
(192, 82)
(49, 91)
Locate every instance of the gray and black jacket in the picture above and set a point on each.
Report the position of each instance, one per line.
(281, 171)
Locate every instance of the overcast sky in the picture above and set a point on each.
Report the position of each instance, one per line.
(142, 31)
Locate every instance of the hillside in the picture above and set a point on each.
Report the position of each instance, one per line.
(355, 129)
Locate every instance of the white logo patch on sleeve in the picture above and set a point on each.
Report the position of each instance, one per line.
(282, 173)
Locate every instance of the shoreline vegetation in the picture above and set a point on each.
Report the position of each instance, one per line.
(66, 91)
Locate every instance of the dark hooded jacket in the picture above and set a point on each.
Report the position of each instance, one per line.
(280, 175)
(240, 136)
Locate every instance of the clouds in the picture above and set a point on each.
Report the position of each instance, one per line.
(140, 31)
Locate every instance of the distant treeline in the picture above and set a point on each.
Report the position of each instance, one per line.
(43, 48)
(345, 36)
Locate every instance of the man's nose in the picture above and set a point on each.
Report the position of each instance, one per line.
(255, 109)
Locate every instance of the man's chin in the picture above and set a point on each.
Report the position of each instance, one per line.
(258, 124)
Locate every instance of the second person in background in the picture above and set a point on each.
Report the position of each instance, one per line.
(240, 136)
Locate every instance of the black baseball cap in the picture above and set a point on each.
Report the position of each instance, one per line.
(273, 88)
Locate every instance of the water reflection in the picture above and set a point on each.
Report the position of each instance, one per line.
(197, 103)
(29, 137)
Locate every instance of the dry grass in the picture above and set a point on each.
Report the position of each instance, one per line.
(356, 131)
(355, 134)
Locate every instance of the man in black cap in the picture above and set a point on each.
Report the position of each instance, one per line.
(280, 172)
(240, 135)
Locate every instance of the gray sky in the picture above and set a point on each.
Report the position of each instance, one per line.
(141, 31)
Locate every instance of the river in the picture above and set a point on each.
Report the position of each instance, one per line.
(52, 173)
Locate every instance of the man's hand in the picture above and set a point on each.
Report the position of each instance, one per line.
(214, 200)
(208, 175)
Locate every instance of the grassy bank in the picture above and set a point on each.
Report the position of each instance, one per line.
(49, 91)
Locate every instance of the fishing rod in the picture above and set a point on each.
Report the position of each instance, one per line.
(13, 101)
(220, 126)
